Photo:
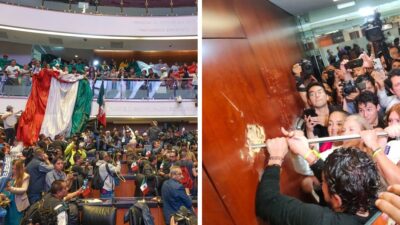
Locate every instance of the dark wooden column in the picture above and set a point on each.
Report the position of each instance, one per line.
(249, 48)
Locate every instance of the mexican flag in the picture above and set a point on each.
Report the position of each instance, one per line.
(101, 116)
(144, 188)
(134, 167)
(54, 106)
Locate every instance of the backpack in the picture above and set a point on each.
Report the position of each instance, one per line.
(97, 182)
(36, 213)
(184, 217)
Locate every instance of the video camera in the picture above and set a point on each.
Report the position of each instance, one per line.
(372, 30)
(348, 87)
(306, 68)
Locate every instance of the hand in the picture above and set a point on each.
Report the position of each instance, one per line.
(70, 176)
(389, 202)
(370, 139)
(298, 144)
(296, 69)
(379, 77)
(80, 191)
(352, 96)
(393, 131)
(310, 122)
(277, 147)
(339, 75)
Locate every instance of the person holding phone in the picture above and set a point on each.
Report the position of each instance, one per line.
(316, 117)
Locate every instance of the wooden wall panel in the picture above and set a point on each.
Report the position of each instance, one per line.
(246, 80)
(220, 20)
(216, 211)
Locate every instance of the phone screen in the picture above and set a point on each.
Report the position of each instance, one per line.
(378, 65)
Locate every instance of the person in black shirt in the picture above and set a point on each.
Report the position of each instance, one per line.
(368, 107)
(350, 184)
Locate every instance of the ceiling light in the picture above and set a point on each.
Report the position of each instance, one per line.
(76, 56)
(345, 5)
(95, 62)
(366, 11)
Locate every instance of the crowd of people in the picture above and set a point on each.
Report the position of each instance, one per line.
(162, 160)
(357, 94)
(177, 75)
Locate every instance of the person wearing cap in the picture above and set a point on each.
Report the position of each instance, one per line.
(10, 119)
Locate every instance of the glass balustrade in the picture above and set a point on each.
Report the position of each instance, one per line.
(122, 88)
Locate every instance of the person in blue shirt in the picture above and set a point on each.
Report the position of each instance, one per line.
(174, 194)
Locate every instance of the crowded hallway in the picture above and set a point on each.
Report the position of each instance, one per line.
(308, 119)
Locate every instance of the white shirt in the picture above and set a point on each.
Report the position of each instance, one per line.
(62, 217)
(392, 150)
(9, 121)
(109, 184)
(12, 71)
(387, 101)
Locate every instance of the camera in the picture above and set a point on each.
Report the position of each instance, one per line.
(354, 64)
(306, 68)
(348, 87)
(373, 29)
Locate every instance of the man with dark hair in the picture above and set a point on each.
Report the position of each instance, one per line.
(394, 52)
(174, 195)
(394, 87)
(55, 200)
(316, 117)
(368, 107)
(37, 169)
(350, 184)
(396, 64)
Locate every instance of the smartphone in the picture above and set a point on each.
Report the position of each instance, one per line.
(85, 183)
(378, 65)
(310, 112)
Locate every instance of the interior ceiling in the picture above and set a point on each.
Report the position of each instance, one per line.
(299, 7)
(137, 3)
(90, 43)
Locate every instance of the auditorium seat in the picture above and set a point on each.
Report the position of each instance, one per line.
(99, 215)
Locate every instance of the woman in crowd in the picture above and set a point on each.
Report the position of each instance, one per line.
(335, 128)
(16, 192)
(392, 119)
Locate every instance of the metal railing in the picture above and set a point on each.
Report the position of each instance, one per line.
(124, 88)
(96, 8)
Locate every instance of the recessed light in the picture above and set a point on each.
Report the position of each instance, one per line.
(76, 56)
(366, 11)
(345, 5)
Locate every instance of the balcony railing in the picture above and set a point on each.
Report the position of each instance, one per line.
(121, 8)
(123, 88)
